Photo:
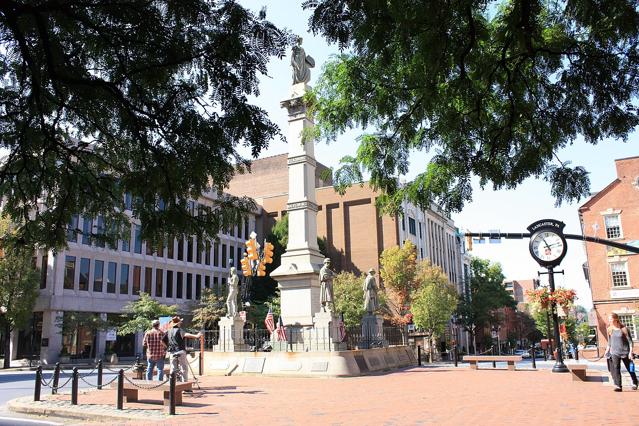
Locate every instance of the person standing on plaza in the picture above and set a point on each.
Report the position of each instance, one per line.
(619, 349)
(175, 340)
(155, 350)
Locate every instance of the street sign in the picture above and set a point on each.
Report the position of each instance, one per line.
(111, 335)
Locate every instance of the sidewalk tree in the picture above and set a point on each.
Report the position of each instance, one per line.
(72, 322)
(487, 295)
(494, 88)
(349, 297)
(398, 267)
(147, 98)
(138, 314)
(208, 310)
(433, 303)
(19, 282)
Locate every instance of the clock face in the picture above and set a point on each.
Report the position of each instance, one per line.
(547, 246)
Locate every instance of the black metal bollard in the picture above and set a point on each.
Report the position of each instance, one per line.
(455, 354)
(38, 384)
(172, 394)
(534, 361)
(74, 386)
(419, 355)
(120, 390)
(494, 363)
(100, 370)
(576, 354)
(56, 379)
(545, 354)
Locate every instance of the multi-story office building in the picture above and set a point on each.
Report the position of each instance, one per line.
(92, 277)
(613, 214)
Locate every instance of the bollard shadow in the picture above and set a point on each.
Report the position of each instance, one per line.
(597, 379)
(220, 390)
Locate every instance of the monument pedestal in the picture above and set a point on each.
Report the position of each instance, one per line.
(325, 333)
(231, 338)
(373, 332)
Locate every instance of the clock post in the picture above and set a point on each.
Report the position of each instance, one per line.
(548, 247)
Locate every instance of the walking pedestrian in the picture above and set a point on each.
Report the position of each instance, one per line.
(177, 347)
(619, 349)
(155, 350)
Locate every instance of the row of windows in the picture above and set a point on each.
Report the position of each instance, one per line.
(613, 226)
(128, 279)
(619, 274)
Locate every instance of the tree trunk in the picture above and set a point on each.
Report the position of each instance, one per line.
(7, 346)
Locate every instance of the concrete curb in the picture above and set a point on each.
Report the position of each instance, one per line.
(93, 412)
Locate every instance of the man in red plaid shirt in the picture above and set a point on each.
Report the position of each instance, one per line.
(155, 350)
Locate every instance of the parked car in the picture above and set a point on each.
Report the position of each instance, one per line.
(523, 353)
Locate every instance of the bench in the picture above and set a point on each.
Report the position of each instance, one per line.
(578, 372)
(476, 359)
(131, 390)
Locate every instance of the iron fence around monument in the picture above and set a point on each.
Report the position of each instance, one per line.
(299, 339)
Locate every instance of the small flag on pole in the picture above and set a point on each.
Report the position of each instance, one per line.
(341, 329)
(269, 322)
(281, 330)
(243, 315)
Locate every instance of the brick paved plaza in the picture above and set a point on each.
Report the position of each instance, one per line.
(439, 396)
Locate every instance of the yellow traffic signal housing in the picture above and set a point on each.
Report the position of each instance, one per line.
(251, 249)
(268, 253)
(246, 266)
(261, 269)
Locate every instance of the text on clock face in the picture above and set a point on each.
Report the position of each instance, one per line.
(548, 246)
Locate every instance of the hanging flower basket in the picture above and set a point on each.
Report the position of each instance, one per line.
(562, 297)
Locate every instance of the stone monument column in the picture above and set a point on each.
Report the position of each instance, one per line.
(298, 275)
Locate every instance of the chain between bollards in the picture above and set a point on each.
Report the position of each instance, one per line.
(38, 384)
(100, 370)
(172, 394)
(74, 387)
(120, 404)
(56, 379)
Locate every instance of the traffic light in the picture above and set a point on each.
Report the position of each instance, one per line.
(251, 249)
(268, 252)
(246, 266)
(261, 269)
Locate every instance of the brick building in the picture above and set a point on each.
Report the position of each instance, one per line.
(613, 213)
(354, 231)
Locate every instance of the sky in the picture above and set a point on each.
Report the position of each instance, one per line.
(504, 210)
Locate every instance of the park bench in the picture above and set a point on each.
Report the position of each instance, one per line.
(578, 372)
(476, 359)
(131, 389)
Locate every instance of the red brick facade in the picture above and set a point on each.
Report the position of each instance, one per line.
(613, 213)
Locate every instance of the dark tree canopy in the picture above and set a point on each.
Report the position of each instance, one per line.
(100, 98)
(492, 88)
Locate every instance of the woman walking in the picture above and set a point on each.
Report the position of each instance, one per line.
(619, 349)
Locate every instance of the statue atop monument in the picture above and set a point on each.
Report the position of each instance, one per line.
(301, 63)
(231, 299)
(326, 276)
(371, 303)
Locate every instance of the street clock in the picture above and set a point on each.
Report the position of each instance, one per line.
(547, 242)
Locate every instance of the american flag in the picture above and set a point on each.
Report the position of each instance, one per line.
(269, 322)
(281, 330)
(243, 315)
(341, 329)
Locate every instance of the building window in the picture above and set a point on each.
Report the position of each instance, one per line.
(149, 248)
(411, 226)
(627, 320)
(128, 201)
(189, 286)
(179, 286)
(169, 284)
(137, 239)
(207, 281)
(421, 253)
(44, 266)
(189, 249)
(198, 251)
(97, 276)
(216, 286)
(148, 280)
(613, 226)
(124, 279)
(69, 272)
(160, 251)
(100, 232)
(216, 254)
(169, 248)
(198, 287)
(180, 249)
(158, 282)
(87, 227)
(239, 257)
(246, 229)
(420, 231)
(619, 273)
(126, 241)
(403, 223)
(137, 272)
(85, 265)
(223, 255)
(111, 274)
(72, 232)
(207, 252)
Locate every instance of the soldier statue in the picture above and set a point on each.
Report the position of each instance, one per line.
(231, 299)
(371, 303)
(326, 286)
(301, 63)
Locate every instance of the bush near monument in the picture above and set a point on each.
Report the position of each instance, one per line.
(398, 269)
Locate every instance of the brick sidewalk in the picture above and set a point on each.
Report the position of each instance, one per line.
(441, 396)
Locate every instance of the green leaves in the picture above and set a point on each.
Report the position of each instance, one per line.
(139, 314)
(148, 98)
(493, 89)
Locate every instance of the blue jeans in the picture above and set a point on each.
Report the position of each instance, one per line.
(149, 369)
